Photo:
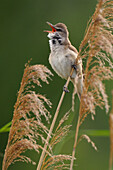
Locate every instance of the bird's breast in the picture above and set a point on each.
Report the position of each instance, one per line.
(61, 62)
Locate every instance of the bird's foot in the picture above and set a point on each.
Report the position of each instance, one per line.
(65, 89)
(74, 66)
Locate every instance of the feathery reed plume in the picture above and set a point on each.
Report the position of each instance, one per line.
(57, 161)
(111, 136)
(27, 126)
(97, 49)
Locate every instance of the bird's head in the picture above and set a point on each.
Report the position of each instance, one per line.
(59, 31)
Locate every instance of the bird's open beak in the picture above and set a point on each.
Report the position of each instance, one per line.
(52, 26)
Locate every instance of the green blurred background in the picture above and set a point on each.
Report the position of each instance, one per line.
(22, 38)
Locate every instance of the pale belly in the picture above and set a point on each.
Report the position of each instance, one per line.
(62, 65)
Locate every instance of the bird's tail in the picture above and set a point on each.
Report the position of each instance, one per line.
(78, 88)
(73, 97)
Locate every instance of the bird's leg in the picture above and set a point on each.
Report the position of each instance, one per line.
(74, 66)
(65, 89)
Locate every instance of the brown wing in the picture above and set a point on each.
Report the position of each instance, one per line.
(71, 47)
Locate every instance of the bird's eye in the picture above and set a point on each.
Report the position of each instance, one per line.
(59, 29)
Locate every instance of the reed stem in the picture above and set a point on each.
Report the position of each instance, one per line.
(53, 123)
(75, 143)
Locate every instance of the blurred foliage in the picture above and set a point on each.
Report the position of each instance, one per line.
(5, 128)
(21, 38)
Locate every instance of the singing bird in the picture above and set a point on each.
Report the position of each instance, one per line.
(63, 56)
